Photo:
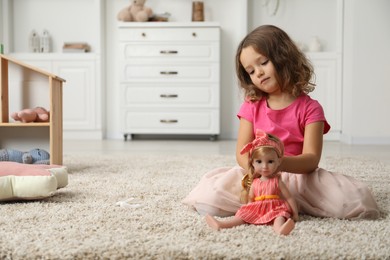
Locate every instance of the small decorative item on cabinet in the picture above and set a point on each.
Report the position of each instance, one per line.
(76, 47)
(164, 17)
(45, 42)
(136, 12)
(197, 11)
(301, 46)
(34, 41)
(315, 44)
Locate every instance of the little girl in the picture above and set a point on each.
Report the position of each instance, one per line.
(276, 79)
(269, 199)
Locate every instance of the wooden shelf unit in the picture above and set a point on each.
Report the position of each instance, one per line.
(55, 84)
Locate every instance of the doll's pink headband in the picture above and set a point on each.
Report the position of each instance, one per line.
(262, 139)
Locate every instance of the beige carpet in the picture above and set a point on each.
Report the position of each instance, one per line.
(83, 220)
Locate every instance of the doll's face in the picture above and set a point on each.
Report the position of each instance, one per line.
(265, 164)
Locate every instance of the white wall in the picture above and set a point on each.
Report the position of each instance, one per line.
(301, 19)
(60, 32)
(366, 81)
(233, 28)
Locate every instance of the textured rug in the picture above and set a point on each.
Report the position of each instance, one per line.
(85, 220)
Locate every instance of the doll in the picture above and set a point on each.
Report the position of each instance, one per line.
(34, 156)
(269, 199)
(28, 115)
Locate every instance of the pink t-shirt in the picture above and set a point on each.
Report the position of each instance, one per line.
(289, 123)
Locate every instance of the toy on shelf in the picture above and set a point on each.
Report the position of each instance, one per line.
(28, 115)
(136, 12)
(34, 156)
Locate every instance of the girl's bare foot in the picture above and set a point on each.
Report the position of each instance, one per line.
(212, 222)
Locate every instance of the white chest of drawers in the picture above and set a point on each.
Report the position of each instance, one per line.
(170, 78)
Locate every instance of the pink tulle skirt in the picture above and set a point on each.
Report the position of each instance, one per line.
(320, 193)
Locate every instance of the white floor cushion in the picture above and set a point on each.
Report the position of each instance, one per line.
(30, 181)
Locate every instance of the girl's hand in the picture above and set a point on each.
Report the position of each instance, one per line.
(310, 157)
(244, 196)
(280, 169)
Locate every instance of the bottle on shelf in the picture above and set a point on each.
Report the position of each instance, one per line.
(45, 42)
(34, 41)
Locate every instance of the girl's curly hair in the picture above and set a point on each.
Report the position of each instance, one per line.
(294, 70)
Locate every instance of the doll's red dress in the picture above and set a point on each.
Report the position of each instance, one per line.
(267, 205)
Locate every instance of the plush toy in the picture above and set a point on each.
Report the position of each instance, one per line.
(34, 156)
(136, 12)
(28, 115)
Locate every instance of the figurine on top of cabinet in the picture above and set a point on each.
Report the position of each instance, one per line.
(136, 12)
(34, 41)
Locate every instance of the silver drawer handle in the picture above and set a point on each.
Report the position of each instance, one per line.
(168, 72)
(168, 52)
(169, 121)
(169, 95)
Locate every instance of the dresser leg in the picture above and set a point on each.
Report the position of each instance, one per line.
(213, 137)
(128, 136)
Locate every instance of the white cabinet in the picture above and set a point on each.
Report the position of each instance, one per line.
(170, 78)
(328, 90)
(80, 89)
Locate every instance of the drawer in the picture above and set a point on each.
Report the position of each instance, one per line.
(178, 95)
(157, 122)
(169, 34)
(171, 72)
(164, 51)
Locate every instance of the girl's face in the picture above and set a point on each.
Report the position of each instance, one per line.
(260, 69)
(266, 164)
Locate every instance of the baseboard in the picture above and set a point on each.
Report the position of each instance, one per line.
(365, 140)
(332, 136)
(82, 135)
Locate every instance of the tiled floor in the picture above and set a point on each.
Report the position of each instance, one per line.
(379, 152)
